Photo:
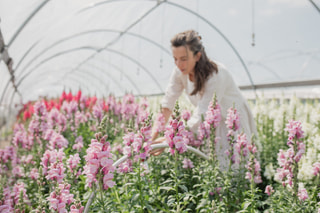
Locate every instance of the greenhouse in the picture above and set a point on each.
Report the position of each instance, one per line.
(103, 108)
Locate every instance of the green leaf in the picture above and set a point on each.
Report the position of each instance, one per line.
(135, 197)
(184, 188)
(167, 181)
(167, 188)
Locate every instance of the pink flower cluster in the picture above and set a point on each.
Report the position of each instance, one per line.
(10, 199)
(269, 190)
(232, 121)
(185, 115)
(160, 124)
(136, 146)
(187, 163)
(6, 204)
(213, 114)
(253, 165)
(212, 119)
(21, 138)
(17, 189)
(176, 136)
(73, 162)
(287, 160)
(302, 194)
(316, 168)
(56, 172)
(57, 120)
(295, 131)
(254, 171)
(56, 140)
(99, 162)
(60, 198)
(78, 144)
(241, 145)
(50, 157)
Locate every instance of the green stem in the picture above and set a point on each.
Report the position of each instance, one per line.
(176, 179)
(140, 188)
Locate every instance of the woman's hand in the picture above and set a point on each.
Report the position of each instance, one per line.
(156, 152)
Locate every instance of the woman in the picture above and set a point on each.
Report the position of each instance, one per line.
(201, 78)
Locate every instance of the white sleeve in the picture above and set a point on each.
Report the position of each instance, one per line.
(173, 91)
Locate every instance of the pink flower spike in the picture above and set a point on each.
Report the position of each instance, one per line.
(269, 190)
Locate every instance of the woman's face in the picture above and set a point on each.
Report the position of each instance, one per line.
(184, 59)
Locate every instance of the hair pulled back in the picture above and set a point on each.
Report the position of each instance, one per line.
(204, 67)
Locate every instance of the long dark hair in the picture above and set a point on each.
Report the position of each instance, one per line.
(204, 67)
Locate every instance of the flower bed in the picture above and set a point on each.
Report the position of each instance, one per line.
(63, 153)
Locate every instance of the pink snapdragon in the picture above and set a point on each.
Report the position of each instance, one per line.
(160, 123)
(316, 168)
(175, 135)
(78, 143)
(302, 194)
(241, 145)
(50, 157)
(295, 131)
(288, 160)
(269, 190)
(185, 115)
(73, 162)
(69, 108)
(60, 198)
(56, 140)
(17, 189)
(99, 160)
(97, 111)
(21, 138)
(213, 114)
(56, 172)
(233, 120)
(34, 174)
(187, 163)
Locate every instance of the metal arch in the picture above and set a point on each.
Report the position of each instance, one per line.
(314, 5)
(72, 79)
(115, 81)
(136, 62)
(266, 68)
(97, 4)
(80, 34)
(120, 70)
(120, 35)
(117, 68)
(4, 91)
(221, 34)
(91, 75)
(48, 59)
(27, 21)
(90, 48)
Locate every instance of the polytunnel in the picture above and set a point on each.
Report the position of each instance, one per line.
(92, 118)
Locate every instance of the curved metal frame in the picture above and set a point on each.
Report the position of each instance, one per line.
(93, 49)
(77, 35)
(27, 21)
(87, 75)
(123, 73)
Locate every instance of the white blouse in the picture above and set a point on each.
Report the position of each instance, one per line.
(228, 94)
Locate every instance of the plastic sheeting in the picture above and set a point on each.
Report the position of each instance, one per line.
(123, 46)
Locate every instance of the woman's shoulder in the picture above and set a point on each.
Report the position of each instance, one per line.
(222, 71)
